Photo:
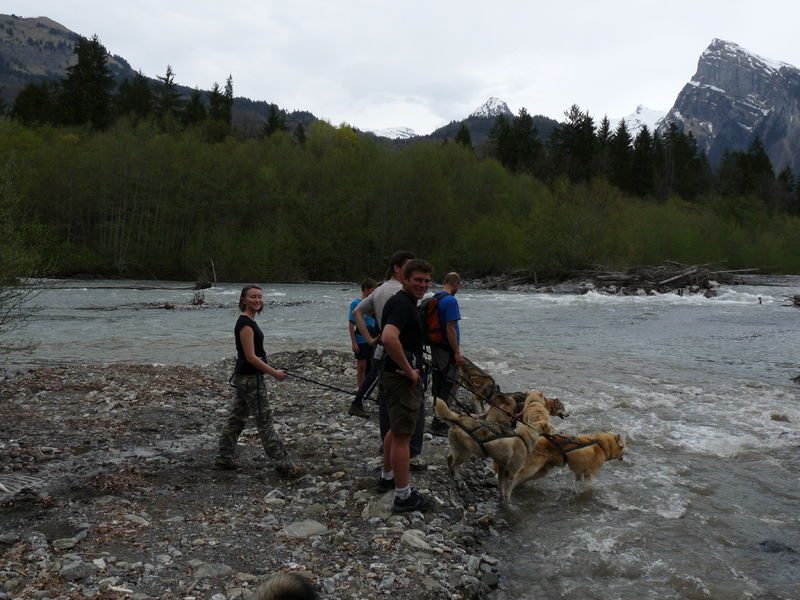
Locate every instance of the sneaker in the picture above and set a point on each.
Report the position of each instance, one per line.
(415, 502)
(290, 471)
(385, 485)
(417, 464)
(357, 410)
(225, 464)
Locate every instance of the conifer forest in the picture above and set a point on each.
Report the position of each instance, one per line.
(133, 179)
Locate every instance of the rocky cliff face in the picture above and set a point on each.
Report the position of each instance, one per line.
(736, 95)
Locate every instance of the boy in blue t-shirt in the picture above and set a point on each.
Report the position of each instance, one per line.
(362, 350)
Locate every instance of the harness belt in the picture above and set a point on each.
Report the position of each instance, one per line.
(498, 431)
(559, 441)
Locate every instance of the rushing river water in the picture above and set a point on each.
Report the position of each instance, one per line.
(707, 502)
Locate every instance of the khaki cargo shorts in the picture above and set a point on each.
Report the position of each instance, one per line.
(403, 399)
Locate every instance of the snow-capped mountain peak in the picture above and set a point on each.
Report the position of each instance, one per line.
(493, 107)
(639, 118)
(395, 133)
(723, 49)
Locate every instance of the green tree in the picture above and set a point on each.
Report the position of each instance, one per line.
(195, 110)
(36, 103)
(622, 158)
(86, 90)
(603, 138)
(166, 97)
(216, 103)
(573, 145)
(276, 121)
(300, 134)
(19, 255)
(227, 113)
(643, 163)
(463, 136)
(501, 145)
(134, 97)
(526, 147)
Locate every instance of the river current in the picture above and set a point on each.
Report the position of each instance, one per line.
(705, 505)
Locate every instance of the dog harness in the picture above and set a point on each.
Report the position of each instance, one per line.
(560, 441)
(497, 431)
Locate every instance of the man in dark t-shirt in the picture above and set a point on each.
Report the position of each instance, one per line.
(402, 338)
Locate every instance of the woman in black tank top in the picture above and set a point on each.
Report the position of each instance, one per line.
(251, 397)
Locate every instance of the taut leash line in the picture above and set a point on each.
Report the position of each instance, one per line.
(319, 383)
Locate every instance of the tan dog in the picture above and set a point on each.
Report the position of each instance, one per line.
(479, 382)
(535, 414)
(506, 405)
(468, 436)
(584, 454)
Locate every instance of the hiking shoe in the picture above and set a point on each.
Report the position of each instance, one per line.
(290, 471)
(225, 464)
(385, 485)
(415, 502)
(357, 410)
(417, 464)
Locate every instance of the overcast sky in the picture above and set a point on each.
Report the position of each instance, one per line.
(420, 64)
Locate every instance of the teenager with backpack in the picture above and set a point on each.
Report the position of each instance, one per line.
(445, 346)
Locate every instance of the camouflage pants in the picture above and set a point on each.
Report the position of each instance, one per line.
(249, 391)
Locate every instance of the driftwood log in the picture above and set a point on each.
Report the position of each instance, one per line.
(672, 275)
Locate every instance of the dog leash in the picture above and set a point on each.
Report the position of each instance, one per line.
(514, 418)
(319, 383)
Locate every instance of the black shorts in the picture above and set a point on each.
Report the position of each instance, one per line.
(364, 352)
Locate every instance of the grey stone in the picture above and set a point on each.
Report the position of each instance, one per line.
(415, 539)
(76, 570)
(303, 529)
(490, 579)
(207, 570)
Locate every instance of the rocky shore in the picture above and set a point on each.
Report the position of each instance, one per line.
(107, 491)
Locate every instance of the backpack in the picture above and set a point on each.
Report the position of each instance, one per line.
(433, 331)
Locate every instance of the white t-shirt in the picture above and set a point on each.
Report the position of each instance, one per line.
(374, 303)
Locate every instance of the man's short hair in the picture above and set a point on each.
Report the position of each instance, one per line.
(398, 259)
(417, 265)
(368, 284)
(452, 278)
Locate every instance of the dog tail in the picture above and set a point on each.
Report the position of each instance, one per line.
(443, 411)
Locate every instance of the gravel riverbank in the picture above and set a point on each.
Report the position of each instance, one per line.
(109, 492)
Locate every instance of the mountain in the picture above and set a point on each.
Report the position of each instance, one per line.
(38, 49)
(639, 118)
(491, 109)
(736, 96)
(394, 133)
(481, 120)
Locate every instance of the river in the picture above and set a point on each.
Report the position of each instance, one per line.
(705, 505)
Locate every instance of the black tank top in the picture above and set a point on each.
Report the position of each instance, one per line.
(242, 366)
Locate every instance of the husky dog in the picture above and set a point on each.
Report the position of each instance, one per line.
(286, 586)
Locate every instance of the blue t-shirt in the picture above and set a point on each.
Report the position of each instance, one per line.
(369, 320)
(449, 311)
